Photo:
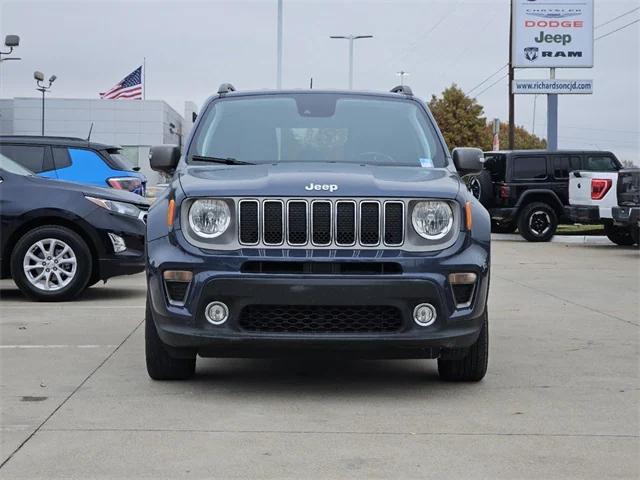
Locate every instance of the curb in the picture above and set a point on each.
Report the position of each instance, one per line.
(570, 239)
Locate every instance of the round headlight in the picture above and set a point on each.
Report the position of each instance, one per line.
(432, 219)
(209, 218)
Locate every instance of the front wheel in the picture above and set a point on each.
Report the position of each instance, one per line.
(161, 365)
(473, 366)
(537, 222)
(51, 263)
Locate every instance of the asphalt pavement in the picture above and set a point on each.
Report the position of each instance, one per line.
(560, 400)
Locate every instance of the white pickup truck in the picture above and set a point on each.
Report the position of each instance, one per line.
(592, 197)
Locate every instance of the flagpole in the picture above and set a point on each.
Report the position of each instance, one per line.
(144, 78)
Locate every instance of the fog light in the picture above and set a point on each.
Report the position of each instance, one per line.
(424, 314)
(217, 313)
(118, 243)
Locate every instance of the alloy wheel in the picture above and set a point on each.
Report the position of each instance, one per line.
(539, 222)
(50, 264)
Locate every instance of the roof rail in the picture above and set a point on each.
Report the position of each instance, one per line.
(405, 89)
(226, 88)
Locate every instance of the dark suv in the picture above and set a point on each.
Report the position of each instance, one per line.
(627, 213)
(317, 221)
(529, 189)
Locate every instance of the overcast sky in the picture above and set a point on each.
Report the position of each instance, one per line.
(192, 47)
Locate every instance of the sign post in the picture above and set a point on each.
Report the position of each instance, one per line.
(552, 34)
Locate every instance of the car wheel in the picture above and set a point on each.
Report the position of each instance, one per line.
(635, 234)
(537, 222)
(160, 365)
(481, 187)
(503, 227)
(472, 367)
(51, 263)
(619, 235)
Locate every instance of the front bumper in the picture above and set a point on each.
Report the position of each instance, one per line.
(131, 230)
(585, 214)
(626, 215)
(218, 276)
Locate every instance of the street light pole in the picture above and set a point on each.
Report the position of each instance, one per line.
(279, 67)
(41, 87)
(10, 41)
(351, 39)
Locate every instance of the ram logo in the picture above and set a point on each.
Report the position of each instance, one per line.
(324, 186)
(531, 53)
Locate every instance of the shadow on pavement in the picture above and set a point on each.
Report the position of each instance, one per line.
(314, 375)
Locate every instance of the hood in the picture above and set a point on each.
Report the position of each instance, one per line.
(296, 179)
(99, 192)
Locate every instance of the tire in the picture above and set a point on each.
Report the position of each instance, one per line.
(160, 365)
(619, 235)
(505, 227)
(473, 366)
(58, 279)
(635, 234)
(481, 187)
(537, 222)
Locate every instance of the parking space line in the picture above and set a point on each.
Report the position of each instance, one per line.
(9, 347)
(75, 390)
(337, 432)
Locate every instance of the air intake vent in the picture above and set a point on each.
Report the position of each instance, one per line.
(297, 223)
(321, 222)
(249, 226)
(346, 223)
(393, 223)
(369, 223)
(273, 224)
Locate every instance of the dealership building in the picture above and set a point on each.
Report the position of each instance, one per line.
(134, 125)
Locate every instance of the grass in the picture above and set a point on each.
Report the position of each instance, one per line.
(580, 230)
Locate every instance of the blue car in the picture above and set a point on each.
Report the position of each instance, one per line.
(74, 160)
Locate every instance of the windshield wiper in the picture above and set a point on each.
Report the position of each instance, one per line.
(226, 161)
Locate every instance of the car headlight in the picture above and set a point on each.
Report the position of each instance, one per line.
(432, 219)
(209, 218)
(118, 207)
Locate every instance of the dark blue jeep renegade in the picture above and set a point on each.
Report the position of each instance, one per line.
(331, 222)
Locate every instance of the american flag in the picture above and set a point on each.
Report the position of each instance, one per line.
(129, 87)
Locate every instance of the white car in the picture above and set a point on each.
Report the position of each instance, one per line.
(592, 197)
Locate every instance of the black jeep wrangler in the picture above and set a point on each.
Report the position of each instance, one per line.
(529, 189)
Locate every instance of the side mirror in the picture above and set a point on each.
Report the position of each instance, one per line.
(164, 158)
(468, 161)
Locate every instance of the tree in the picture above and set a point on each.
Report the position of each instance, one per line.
(459, 117)
(461, 120)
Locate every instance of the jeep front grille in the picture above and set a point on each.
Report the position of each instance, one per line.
(321, 222)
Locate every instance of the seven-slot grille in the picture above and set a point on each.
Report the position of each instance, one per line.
(321, 222)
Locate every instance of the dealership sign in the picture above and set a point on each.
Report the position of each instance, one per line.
(552, 34)
(553, 86)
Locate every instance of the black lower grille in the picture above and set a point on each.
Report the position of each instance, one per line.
(320, 318)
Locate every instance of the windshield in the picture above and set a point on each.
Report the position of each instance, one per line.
(10, 166)
(319, 127)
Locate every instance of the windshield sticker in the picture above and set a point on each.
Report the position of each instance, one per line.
(426, 162)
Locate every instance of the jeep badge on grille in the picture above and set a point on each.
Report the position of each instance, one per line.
(324, 186)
